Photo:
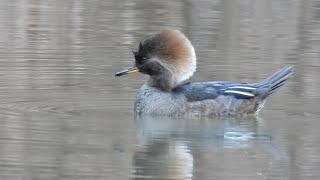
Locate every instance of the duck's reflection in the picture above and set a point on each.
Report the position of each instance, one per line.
(170, 146)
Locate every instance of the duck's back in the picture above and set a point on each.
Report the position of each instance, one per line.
(221, 98)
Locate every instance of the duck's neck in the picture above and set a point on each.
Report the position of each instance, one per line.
(164, 82)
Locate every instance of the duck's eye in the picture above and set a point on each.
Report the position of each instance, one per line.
(140, 59)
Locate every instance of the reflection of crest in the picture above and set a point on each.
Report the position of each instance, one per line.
(168, 144)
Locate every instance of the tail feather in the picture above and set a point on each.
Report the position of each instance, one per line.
(277, 80)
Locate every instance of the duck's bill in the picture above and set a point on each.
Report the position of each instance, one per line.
(130, 70)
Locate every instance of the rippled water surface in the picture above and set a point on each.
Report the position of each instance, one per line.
(63, 114)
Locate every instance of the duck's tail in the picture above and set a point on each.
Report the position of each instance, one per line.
(276, 80)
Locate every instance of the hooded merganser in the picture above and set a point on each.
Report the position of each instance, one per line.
(169, 59)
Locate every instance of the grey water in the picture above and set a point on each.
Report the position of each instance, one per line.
(63, 114)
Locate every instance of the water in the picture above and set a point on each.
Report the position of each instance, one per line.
(64, 115)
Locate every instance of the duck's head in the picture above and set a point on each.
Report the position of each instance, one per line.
(167, 57)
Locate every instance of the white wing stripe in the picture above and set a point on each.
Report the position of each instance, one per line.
(239, 92)
(242, 87)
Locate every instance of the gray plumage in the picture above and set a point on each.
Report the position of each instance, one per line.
(210, 98)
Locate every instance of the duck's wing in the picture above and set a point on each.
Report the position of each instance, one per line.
(199, 91)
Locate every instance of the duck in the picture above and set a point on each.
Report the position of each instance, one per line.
(169, 59)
